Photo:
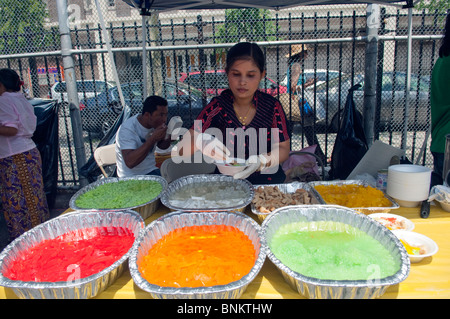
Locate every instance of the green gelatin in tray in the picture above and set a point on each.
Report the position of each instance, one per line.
(331, 250)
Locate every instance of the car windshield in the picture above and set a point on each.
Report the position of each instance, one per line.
(211, 80)
(340, 81)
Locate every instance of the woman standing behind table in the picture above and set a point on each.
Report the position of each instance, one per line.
(23, 198)
(295, 84)
(252, 123)
(440, 105)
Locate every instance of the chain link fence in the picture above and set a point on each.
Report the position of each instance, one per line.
(185, 60)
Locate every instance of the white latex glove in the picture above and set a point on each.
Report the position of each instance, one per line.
(256, 163)
(208, 145)
(175, 123)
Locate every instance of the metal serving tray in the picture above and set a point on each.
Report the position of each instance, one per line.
(165, 224)
(83, 288)
(315, 288)
(287, 188)
(364, 210)
(145, 209)
(202, 179)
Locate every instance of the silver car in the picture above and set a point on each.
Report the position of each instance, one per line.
(330, 97)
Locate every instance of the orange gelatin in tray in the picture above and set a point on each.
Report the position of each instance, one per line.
(353, 195)
(199, 256)
(73, 255)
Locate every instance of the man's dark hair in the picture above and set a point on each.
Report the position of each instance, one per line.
(152, 102)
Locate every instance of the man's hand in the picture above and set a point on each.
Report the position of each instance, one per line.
(158, 134)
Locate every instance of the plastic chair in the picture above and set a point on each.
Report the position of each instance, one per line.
(105, 155)
(171, 170)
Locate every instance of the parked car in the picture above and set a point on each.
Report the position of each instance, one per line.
(85, 89)
(215, 82)
(329, 99)
(390, 110)
(320, 74)
(99, 113)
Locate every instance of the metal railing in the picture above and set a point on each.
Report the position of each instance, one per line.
(176, 46)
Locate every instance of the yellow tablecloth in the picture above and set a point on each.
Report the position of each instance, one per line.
(428, 279)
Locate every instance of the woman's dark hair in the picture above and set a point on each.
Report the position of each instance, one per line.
(152, 102)
(444, 50)
(246, 51)
(10, 79)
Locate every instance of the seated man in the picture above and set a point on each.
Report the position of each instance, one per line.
(138, 136)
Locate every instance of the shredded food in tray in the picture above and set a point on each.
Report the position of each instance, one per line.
(269, 198)
(121, 194)
(208, 195)
(353, 195)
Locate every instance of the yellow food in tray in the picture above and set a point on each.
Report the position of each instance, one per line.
(353, 195)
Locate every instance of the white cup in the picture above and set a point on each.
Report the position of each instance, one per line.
(408, 184)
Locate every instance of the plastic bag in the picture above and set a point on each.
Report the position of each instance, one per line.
(350, 145)
(46, 139)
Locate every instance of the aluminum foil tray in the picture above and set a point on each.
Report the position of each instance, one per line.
(146, 209)
(287, 188)
(364, 210)
(335, 289)
(77, 289)
(165, 224)
(202, 179)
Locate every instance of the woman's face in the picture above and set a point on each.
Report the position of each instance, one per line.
(243, 78)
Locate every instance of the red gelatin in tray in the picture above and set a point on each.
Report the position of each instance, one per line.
(74, 255)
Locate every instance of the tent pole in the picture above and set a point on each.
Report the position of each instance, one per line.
(110, 53)
(408, 80)
(71, 86)
(370, 71)
(144, 53)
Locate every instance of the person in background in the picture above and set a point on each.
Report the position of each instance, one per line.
(295, 84)
(236, 113)
(23, 198)
(440, 105)
(138, 136)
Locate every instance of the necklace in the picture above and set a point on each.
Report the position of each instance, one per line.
(242, 119)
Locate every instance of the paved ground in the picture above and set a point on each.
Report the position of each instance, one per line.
(61, 204)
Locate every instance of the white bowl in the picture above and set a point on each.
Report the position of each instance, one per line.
(445, 206)
(231, 167)
(408, 184)
(416, 239)
(382, 218)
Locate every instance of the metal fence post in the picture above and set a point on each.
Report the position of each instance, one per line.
(72, 93)
(370, 70)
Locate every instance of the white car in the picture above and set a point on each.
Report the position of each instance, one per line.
(320, 74)
(86, 89)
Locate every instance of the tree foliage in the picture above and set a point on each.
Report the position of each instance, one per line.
(439, 6)
(246, 24)
(21, 25)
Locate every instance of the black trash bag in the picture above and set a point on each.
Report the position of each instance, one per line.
(350, 145)
(90, 170)
(47, 142)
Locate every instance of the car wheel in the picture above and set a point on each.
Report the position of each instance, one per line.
(116, 107)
